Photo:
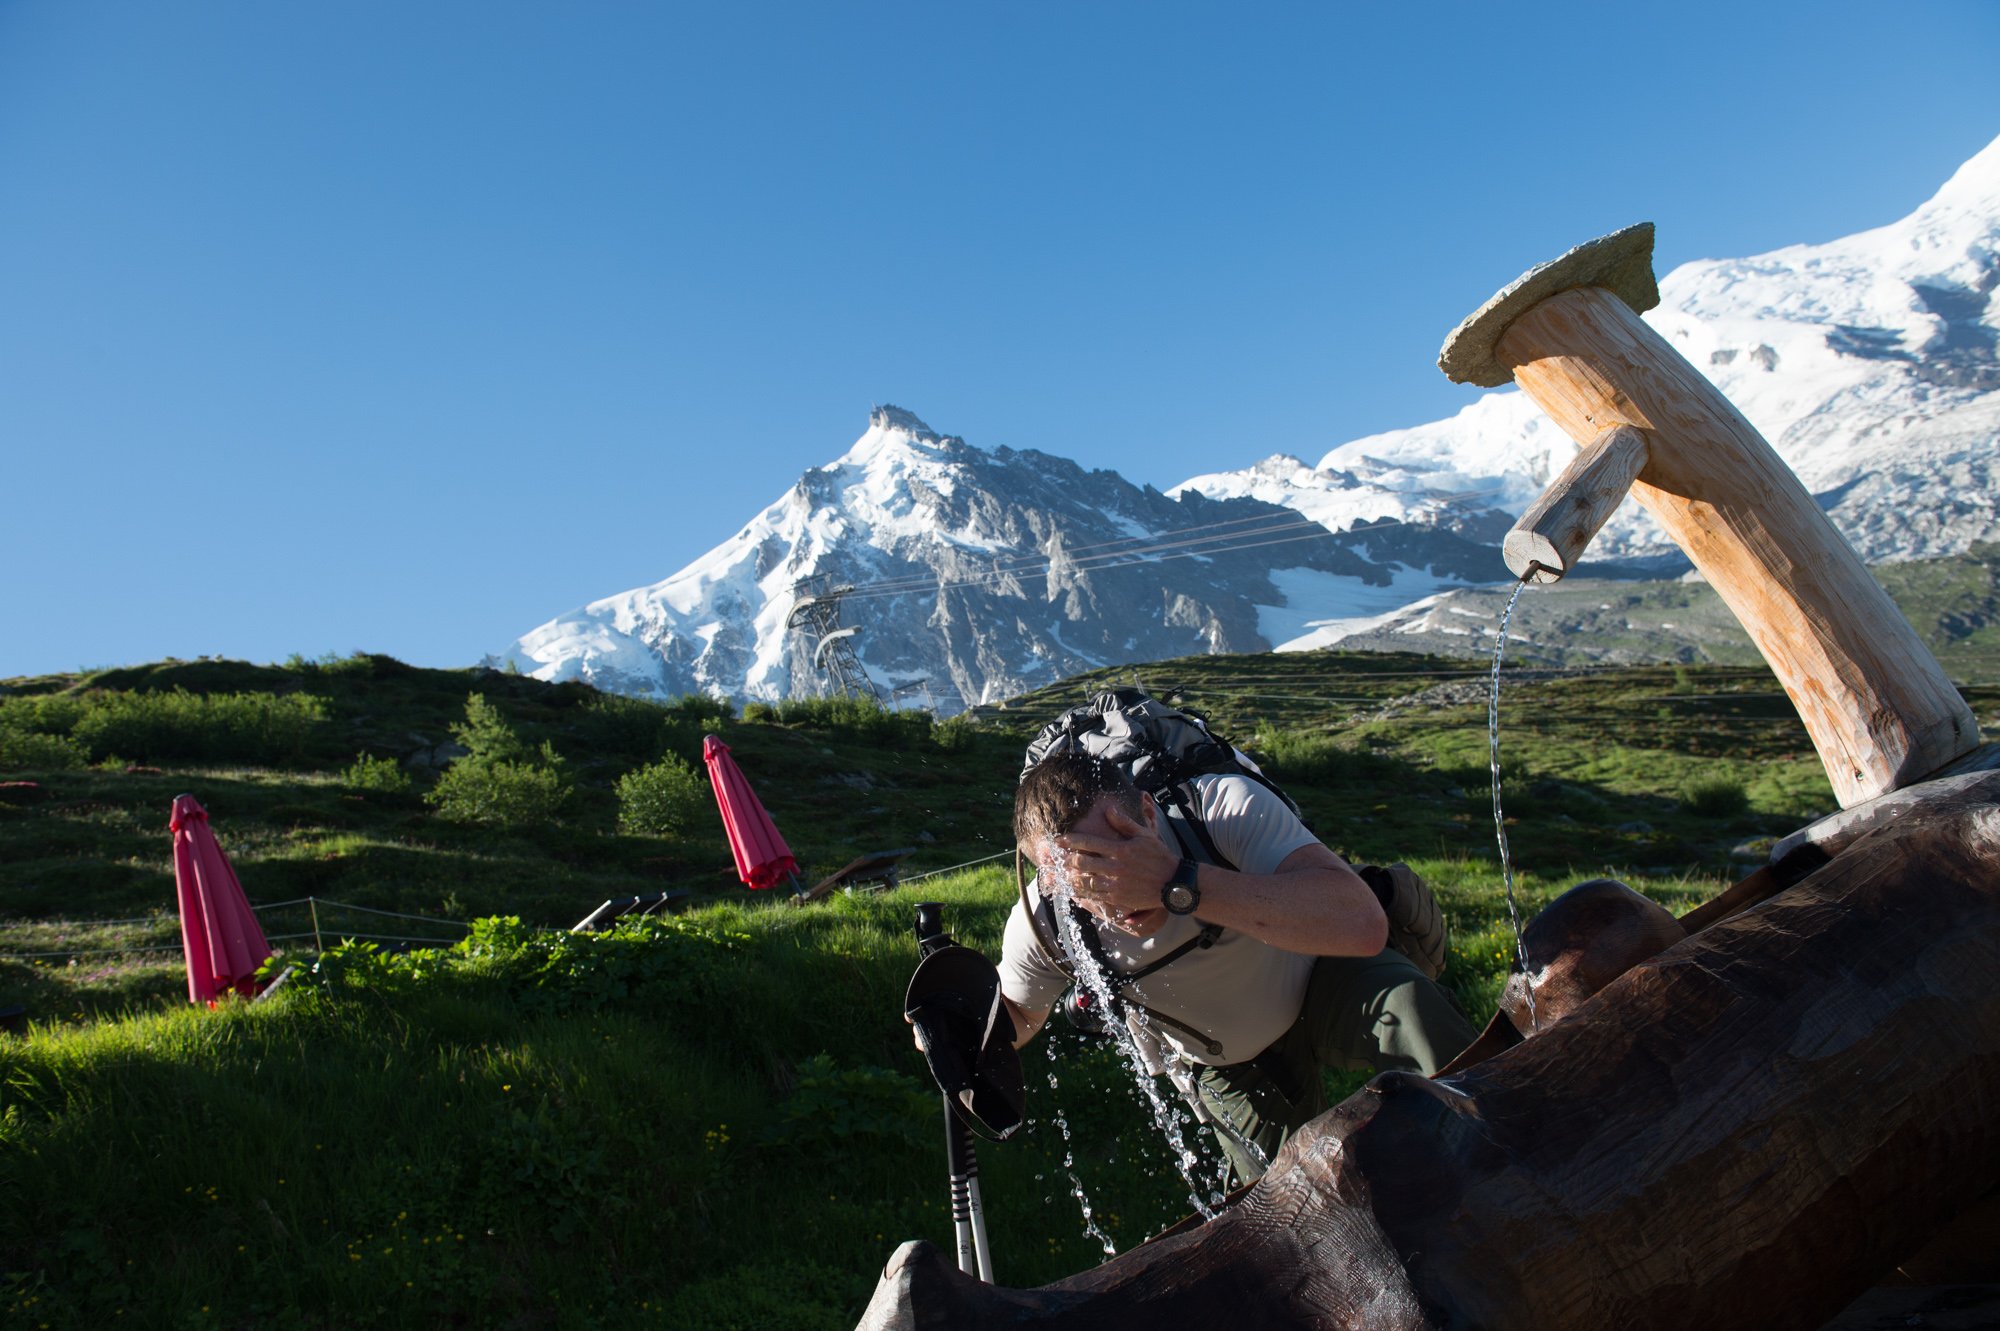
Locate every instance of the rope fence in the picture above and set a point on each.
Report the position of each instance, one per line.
(316, 933)
(932, 873)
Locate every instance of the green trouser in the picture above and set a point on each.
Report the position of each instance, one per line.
(1377, 1012)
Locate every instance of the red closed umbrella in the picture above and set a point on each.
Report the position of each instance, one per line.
(219, 932)
(762, 857)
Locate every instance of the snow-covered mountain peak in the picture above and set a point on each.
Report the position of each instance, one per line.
(891, 418)
(896, 439)
(1974, 189)
(1871, 363)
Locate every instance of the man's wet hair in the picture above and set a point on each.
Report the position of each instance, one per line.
(1064, 787)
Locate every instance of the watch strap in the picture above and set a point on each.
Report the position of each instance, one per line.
(1182, 878)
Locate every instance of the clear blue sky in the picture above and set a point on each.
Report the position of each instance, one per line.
(406, 326)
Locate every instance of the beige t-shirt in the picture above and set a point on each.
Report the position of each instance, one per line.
(1239, 992)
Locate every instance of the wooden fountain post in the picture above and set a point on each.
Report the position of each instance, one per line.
(1878, 707)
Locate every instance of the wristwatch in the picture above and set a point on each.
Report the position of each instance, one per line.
(1179, 894)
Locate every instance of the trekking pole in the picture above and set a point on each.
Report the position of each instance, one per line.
(968, 1210)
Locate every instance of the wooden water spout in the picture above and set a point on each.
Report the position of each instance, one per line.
(1796, 1090)
(1879, 709)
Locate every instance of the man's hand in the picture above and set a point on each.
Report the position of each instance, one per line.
(1115, 862)
(1312, 903)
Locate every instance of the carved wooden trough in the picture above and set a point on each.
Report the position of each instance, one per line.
(1742, 1119)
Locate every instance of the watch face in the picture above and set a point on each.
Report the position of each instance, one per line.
(1180, 899)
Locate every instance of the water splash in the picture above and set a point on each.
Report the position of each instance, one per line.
(1091, 1228)
(1183, 1073)
(1166, 1115)
(1499, 820)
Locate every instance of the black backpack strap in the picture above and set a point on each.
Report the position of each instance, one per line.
(1177, 805)
(1206, 938)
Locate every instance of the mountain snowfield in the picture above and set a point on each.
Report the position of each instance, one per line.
(1868, 362)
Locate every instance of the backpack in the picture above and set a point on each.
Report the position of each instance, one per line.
(1162, 749)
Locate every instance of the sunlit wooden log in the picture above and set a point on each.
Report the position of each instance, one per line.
(1879, 709)
(1551, 536)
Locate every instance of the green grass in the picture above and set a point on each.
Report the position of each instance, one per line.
(716, 1121)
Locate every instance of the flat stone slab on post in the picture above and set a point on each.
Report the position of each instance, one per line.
(1621, 263)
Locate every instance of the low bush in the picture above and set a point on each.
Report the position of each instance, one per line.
(661, 799)
(41, 714)
(861, 718)
(702, 709)
(1718, 797)
(656, 962)
(29, 751)
(621, 729)
(376, 776)
(357, 664)
(499, 793)
(169, 725)
(955, 734)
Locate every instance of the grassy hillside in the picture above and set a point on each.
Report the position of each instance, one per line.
(711, 1120)
(1953, 602)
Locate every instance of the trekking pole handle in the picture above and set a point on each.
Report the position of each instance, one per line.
(930, 928)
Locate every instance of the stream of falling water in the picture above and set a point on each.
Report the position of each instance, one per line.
(1166, 1115)
(1499, 821)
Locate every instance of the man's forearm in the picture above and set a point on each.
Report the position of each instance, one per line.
(1311, 903)
(1317, 906)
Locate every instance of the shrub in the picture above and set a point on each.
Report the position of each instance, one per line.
(486, 734)
(702, 709)
(501, 793)
(359, 664)
(500, 781)
(660, 799)
(668, 961)
(955, 734)
(43, 714)
(760, 712)
(376, 776)
(858, 718)
(614, 726)
(174, 724)
(27, 751)
(1715, 797)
